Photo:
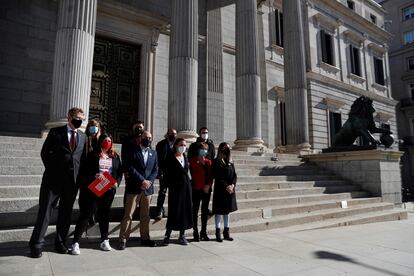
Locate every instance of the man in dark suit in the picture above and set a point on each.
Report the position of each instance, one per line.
(203, 137)
(164, 149)
(142, 168)
(62, 154)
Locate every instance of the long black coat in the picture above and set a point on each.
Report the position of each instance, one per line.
(224, 174)
(180, 204)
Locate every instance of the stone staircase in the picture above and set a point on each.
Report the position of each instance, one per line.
(287, 192)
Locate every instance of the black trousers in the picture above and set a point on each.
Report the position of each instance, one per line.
(48, 200)
(88, 203)
(204, 198)
(161, 195)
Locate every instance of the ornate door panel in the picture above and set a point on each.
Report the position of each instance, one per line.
(115, 85)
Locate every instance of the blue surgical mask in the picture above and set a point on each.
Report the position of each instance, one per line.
(202, 152)
(93, 130)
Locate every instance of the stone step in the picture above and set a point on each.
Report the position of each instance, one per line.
(36, 146)
(21, 140)
(353, 215)
(21, 170)
(296, 177)
(282, 171)
(288, 184)
(19, 153)
(21, 161)
(349, 216)
(31, 203)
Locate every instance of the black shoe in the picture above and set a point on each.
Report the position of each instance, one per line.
(203, 236)
(196, 236)
(166, 240)
(148, 243)
(182, 240)
(218, 235)
(159, 215)
(226, 234)
(122, 245)
(61, 248)
(35, 252)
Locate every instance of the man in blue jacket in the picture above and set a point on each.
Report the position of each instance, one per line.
(141, 165)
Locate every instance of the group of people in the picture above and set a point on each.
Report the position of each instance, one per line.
(73, 160)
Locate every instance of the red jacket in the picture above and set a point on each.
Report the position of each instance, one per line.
(200, 173)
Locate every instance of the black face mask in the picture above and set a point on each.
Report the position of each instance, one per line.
(146, 143)
(171, 137)
(76, 123)
(226, 151)
(138, 131)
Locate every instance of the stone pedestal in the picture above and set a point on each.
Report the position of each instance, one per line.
(183, 68)
(376, 171)
(249, 129)
(72, 69)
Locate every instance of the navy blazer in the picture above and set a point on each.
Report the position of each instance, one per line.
(138, 171)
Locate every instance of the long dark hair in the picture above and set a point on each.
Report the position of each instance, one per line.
(111, 152)
(221, 154)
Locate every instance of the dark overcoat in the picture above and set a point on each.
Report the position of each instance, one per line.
(62, 166)
(224, 174)
(179, 196)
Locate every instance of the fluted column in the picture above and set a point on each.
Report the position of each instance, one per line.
(72, 69)
(249, 130)
(214, 84)
(297, 130)
(183, 68)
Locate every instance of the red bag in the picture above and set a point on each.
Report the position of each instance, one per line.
(102, 184)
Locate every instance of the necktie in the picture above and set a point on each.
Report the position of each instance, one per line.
(72, 143)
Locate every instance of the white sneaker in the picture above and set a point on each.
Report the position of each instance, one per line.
(75, 249)
(105, 245)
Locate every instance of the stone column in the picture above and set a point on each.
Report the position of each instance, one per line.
(72, 69)
(297, 129)
(183, 68)
(214, 84)
(249, 129)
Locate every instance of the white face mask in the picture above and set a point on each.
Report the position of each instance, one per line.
(204, 136)
(181, 149)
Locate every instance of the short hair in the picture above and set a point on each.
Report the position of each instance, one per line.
(75, 110)
(201, 145)
(138, 122)
(201, 129)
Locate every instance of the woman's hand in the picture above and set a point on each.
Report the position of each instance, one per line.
(206, 189)
(230, 188)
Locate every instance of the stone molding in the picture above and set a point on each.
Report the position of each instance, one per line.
(333, 104)
(354, 36)
(312, 76)
(385, 155)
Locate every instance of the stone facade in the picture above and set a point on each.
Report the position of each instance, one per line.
(402, 80)
(26, 67)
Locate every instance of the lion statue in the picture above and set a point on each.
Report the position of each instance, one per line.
(360, 123)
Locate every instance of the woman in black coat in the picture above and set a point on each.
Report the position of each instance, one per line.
(224, 196)
(102, 158)
(179, 193)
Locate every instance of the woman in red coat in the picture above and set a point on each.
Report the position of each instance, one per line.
(200, 168)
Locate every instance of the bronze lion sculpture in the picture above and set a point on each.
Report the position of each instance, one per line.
(360, 123)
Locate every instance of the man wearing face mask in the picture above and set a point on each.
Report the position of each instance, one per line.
(203, 138)
(62, 154)
(142, 169)
(164, 149)
(132, 140)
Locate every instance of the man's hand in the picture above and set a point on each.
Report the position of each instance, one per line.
(206, 189)
(145, 184)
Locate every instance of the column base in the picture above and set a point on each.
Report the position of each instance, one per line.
(189, 136)
(301, 149)
(250, 145)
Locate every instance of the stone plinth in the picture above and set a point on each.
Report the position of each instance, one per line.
(376, 171)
